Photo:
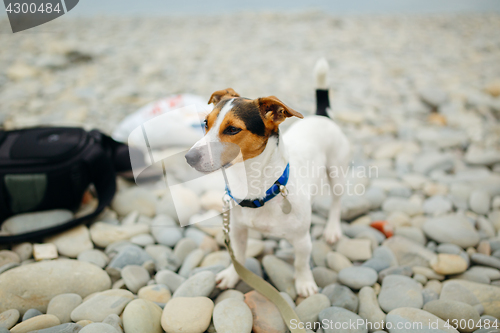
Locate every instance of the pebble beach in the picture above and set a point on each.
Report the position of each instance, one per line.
(418, 96)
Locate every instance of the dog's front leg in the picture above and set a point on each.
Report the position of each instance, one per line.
(228, 278)
(304, 280)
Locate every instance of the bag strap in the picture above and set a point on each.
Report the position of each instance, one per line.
(100, 166)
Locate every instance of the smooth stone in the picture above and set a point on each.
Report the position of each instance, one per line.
(130, 255)
(114, 321)
(491, 273)
(63, 328)
(337, 261)
(230, 293)
(102, 305)
(407, 316)
(324, 276)
(31, 313)
(45, 251)
(399, 270)
(370, 310)
(201, 284)
(357, 277)
(319, 252)
(22, 223)
(8, 257)
(354, 206)
(142, 240)
(72, 242)
(52, 278)
(216, 258)
(266, 316)
(437, 205)
(9, 318)
(232, 315)
(488, 295)
(479, 202)
(413, 233)
(485, 260)
(455, 229)
(429, 295)
(453, 291)
(142, 316)
(62, 305)
(355, 249)
(433, 96)
(382, 258)
(192, 260)
(308, 310)
(341, 296)
(214, 269)
(134, 199)
(170, 279)
(459, 195)
(400, 291)
(165, 230)
(447, 264)
(156, 293)
(340, 321)
(99, 328)
(453, 310)
(427, 163)
(420, 278)
(254, 248)
(23, 250)
(96, 257)
(35, 323)
(135, 277)
(103, 234)
(409, 253)
(395, 204)
(187, 314)
(184, 247)
(427, 272)
(281, 274)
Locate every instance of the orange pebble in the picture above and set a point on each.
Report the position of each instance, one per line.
(384, 227)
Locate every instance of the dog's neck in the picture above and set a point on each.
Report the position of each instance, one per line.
(261, 171)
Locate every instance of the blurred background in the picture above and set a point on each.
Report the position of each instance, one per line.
(105, 59)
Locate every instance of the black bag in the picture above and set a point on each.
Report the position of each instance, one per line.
(50, 168)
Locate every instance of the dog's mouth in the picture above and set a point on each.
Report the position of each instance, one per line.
(213, 156)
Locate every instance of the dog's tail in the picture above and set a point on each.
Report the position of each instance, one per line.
(322, 99)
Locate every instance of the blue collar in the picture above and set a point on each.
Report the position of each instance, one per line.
(270, 193)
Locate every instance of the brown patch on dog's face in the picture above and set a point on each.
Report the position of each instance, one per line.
(249, 123)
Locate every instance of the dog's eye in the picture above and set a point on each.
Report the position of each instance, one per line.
(206, 124)
(231, 130)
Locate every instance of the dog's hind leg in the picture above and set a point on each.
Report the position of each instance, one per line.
(304, 280)
(333, 230)
(228, 277)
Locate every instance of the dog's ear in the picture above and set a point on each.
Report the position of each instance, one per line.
(274, 110)
(222, 94)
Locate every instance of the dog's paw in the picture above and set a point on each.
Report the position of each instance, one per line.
(227, 279)
(332, 233)
(306, 287)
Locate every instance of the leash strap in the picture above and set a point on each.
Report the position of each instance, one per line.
(255, 281)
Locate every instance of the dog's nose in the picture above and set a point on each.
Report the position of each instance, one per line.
(193, 156)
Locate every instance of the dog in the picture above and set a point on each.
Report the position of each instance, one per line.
(247, 133)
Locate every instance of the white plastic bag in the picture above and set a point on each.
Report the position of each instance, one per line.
(181, 129)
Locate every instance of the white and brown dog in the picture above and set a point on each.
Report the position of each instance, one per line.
(303, 158)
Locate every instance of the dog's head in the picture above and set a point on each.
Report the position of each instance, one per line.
(236, 125)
